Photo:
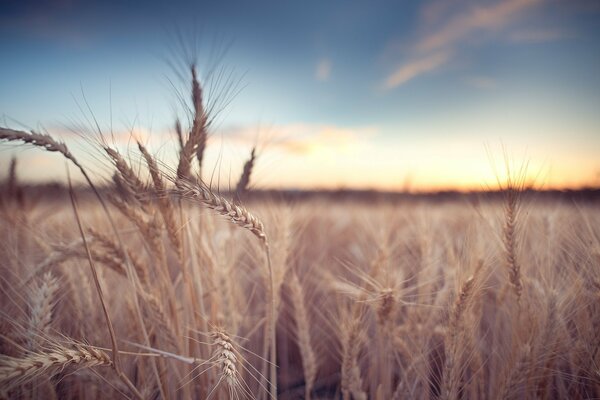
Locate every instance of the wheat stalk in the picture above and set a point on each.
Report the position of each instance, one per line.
(452, 370)
(114, 255)
(244, 182)
(18, 371)
(309, 362)
(239, 215)
(196, 142)
(224, 355)
(42, 302)
(351, 380)
(509, 240)
(132, 181)
(37, 139)
(164, 205)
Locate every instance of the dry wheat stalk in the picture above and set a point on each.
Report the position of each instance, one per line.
(385, 305)
(12, 177)
(509, 239)
(242, 217)
(50, 144)
(179, 133)
(56, 257)
(352, 340)
(114, 257)
(309, 363)
(228, 288)
(42, 302)
(196, 142)
(37, 139)
(14, 191)
(161, 320)
(200, 120)
(351, 381)
(244, 182)
(149, 227)
(517, 372)
(238, 215)
(18, 371)
(116, 364)
(132, 183)
(226, 359)
(452, 369)
(164, 204)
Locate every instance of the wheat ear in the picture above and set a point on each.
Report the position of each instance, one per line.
(196, 142)
(509, 239)
(164, 205)
(309, 362)
(242, 186)
(114, 256)
(351, 379)
(237, 214)
(17, 371)
(452, 369)
(42, 302)
(13, 189)
(224, 355)
(127, 173)
(37, 139)
(179, 133)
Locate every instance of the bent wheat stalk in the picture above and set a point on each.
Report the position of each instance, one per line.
(109, 324)
(240, 216)
(18, 371)
(237, 214)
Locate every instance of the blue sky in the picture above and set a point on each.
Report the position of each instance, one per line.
(355, 94)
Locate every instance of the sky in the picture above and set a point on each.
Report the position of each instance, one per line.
(398, 95)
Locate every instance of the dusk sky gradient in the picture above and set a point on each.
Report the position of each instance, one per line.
(388, 95)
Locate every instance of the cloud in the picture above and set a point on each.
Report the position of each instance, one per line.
(476, 18)
(441, 38)
(323, 69)
(48, 20)
(540, 35)
(433, 11)
(414, 68)
(481, 82)
(304, 139)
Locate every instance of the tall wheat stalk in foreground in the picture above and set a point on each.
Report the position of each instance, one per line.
(243, 218)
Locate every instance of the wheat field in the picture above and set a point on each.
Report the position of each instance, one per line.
(155, 285)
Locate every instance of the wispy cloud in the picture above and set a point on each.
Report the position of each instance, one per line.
(540, 35)
(304, 139)
(475, 18)
(323, 69)
(416, 67)
(434, 47)
(48, 20)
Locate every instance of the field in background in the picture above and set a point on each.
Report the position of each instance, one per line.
(400, 300)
